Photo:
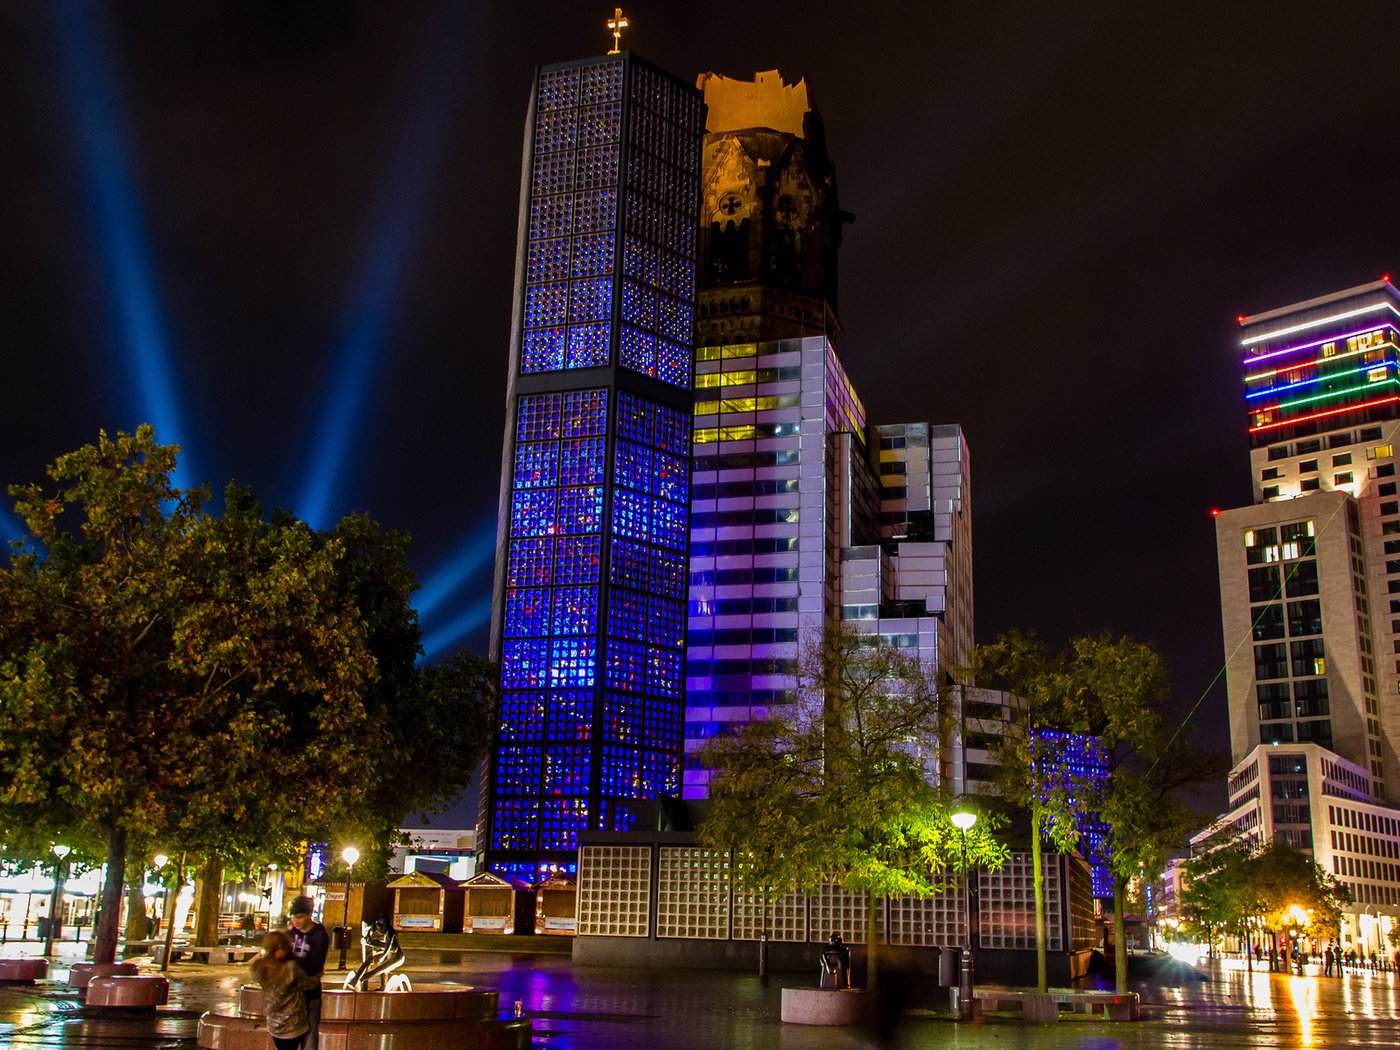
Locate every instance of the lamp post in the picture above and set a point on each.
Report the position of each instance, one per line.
(60, 852)
(963, 820)
(349, 854)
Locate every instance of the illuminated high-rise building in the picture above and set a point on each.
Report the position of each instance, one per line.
(590, 588)
(1310, 596)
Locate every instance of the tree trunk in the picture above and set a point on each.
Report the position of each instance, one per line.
(1042, 969)
(136, 924)
(872, 942)
(1120, 940)
(104, 948)
(210, 888)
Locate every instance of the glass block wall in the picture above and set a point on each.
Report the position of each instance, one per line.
(591, 572)
(1006, 900)
(614, 891)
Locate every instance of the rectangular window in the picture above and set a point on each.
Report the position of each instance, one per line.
(1271, 492)
(1310, 485)
(1342, 479)
(1268, 474)
(1308, 466)
(1278, 452)
(1341, 460)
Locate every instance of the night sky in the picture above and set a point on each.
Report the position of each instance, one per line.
(286, 231)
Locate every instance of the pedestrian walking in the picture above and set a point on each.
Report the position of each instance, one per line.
(310, 945)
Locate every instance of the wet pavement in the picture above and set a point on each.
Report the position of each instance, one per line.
(595, 1008)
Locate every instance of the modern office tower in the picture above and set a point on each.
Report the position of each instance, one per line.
(1310, 574)
(589, 622)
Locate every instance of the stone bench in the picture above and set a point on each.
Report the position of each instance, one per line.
(23, 971)
(128, 992)
(82, 974)
(825, 1006)
(220, 955)
(1051, 1006)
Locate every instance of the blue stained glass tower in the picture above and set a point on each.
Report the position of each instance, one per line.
(590, 588)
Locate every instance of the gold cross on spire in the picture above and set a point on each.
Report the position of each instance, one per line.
(617, 23)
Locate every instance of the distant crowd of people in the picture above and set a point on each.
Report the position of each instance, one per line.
(1334, 960)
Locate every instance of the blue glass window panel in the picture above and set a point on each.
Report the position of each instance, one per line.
(538, 417)
(673, 363)
(634, 419)
(590, 300)
(593, 254)
(626, 665)
(571, 662)
(667, 621)
(669, 524)
(616, 817)
(631, 514)
(580, 509)
(530, 562)
(676, 275)
(546, 304)
(547, 261)
(570, 715)
(588, 345)
(566, 771)
(581, 461)
(536, 464)
(543, 350)
(532, 512)
(527, 613)
(640, 261)
(553, 173)
(595, 210)
(677, 233)
(595, 169)
(575, 611)
(637, 350)
(522, 716)
(638, 305)
(518, 770)
(673, 431)
(599, 125)
(515, 823)
(601, 83)
(634, 773)
(524, 664)
(577, 559)
(563, 819)
(551, 217)
(674, 320)
(559, 89)
(627, 615)
(667, 574)
(634, 466)
(585, 413)
(672, 477)
(664, 672)
(629, 566)
(556, 129)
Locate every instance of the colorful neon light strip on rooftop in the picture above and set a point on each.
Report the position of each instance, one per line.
(1256, 358)
(1255, 340)
(1252, 377)
(1322, 415)
(1368, 366)
(1328, 394)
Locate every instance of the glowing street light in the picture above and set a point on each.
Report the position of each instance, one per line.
(349, 854)
(963, 820)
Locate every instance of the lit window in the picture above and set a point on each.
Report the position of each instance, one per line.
(1342, 479)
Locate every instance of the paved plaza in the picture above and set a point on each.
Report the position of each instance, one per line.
(589, 1008)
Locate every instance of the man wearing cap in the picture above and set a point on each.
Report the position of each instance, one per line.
(310, 945)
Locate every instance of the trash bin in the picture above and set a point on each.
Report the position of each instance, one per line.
(340, 937)
(948, 960)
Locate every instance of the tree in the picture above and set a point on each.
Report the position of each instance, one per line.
(225, 686)
(837, 785)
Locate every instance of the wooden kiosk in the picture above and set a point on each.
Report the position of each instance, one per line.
(494, 904)
(427, 901)
(556, 906)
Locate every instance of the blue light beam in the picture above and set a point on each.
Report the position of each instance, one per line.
(474, 617)
(122, 246)
(362, 336)
(476, 550)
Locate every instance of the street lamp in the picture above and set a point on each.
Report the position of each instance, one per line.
(349, 854)
(963, 819)
(60, 852)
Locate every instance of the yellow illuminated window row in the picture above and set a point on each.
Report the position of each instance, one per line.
(704, 435)
(745, 404)
(719, 353)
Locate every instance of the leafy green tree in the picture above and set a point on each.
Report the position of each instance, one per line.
(222, 686)
(838, 784)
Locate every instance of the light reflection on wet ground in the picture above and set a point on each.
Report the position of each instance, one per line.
(591, 1008)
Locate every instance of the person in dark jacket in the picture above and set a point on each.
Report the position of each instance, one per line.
(310, 945)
